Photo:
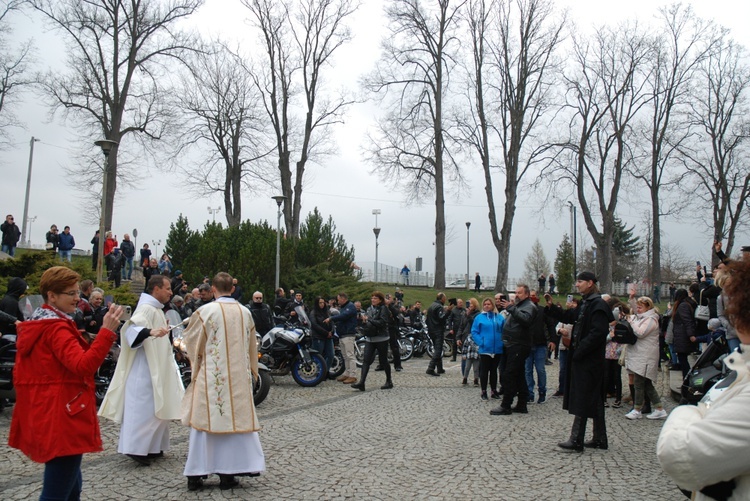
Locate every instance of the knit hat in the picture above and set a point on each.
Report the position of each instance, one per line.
(714, 324)
(587, 276)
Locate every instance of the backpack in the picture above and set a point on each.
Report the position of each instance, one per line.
(623, 333)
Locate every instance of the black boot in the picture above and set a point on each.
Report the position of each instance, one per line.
(577, 432)
(599, 441)
(227, 482)
(361, 384)
(195, 483)
(388, 385)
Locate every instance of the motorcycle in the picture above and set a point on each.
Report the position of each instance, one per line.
(287, 350)
(8, 350)
(261, 384)
(7, 361)
(406, 348)
(422, 343)
(338, 366)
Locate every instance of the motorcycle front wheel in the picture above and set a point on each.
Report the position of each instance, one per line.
(407, 349)
(309, 374)
(261, 386)
(338, 366)
(447, 349)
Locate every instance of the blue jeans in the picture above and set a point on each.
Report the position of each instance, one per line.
(62, 479)
(65, 255)
(11, 251)
(537, 358)
(563, 357)
(325, 348)
(733, 344)
(129, 266)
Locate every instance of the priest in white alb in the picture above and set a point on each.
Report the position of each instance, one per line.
(146, 389)
(218, 404)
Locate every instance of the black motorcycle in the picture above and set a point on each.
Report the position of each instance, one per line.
(287, 350)
(7, 361)
(708, 370)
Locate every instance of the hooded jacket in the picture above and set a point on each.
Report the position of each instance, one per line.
(9, 304)
(55, 411)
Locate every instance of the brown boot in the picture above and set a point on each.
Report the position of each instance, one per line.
(341, 378)
(349, 380)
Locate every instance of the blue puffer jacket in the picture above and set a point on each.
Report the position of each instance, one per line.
(487, 333)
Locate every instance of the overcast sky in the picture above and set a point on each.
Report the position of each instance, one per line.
(342, 186)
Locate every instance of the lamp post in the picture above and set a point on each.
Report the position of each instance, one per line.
(376, 230)
(213, 211)
(156, 243)
(573, 231)
(30, 220)
(468, 224)
(24, 235)
(106, 145)
(279, 200)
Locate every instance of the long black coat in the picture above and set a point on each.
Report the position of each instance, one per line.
(587, 365)
(684, 327)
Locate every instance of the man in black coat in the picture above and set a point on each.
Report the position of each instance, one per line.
(261, 313)
(517, 347)
(11, 235)
(583, 384)
(437, 316)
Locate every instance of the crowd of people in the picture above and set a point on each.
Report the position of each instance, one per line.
(503, 342)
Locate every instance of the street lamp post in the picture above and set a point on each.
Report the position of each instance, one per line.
(24, 235)
(468, 224)
(213, 211)
(106, 145)
(30, 220)
(156, 243)
(376, 230)
(573, 231)
(279, 200)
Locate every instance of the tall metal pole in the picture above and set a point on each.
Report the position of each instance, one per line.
(377, 234)
(279, 200)
(468, 224)
(376, 230)
(24, 235)
(573, 231)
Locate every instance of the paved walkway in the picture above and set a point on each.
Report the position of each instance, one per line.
(428, 438)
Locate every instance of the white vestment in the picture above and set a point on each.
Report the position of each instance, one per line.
(222, 335)
(146, 390)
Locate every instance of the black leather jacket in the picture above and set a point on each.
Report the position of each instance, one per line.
(437, 316)
(517, 328)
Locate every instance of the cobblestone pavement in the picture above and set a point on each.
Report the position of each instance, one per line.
(428, 438)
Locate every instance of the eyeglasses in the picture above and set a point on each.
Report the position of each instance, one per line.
(71, 293)
(257, 299)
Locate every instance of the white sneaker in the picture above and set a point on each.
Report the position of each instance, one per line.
(658, 414)
(634, 414)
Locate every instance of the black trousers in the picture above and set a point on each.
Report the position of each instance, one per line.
(369, 357)
(488, 368)
(437, 341)
(514, 375)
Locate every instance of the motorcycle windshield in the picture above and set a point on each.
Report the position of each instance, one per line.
(302, 316)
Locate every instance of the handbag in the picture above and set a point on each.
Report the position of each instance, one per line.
(702, 312)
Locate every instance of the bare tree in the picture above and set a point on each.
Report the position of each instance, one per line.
(117, 57)
(535, 264)
(510, 94)
(409, 145)
(299, 39)
(222, 110)
(14, 70)
(718, 160)
(680, 46)
(606, 89)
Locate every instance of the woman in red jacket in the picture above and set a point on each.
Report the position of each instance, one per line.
(54, 420)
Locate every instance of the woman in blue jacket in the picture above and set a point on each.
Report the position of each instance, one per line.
(487, 333)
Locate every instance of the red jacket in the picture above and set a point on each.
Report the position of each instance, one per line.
(109, 244)
(55, 411)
